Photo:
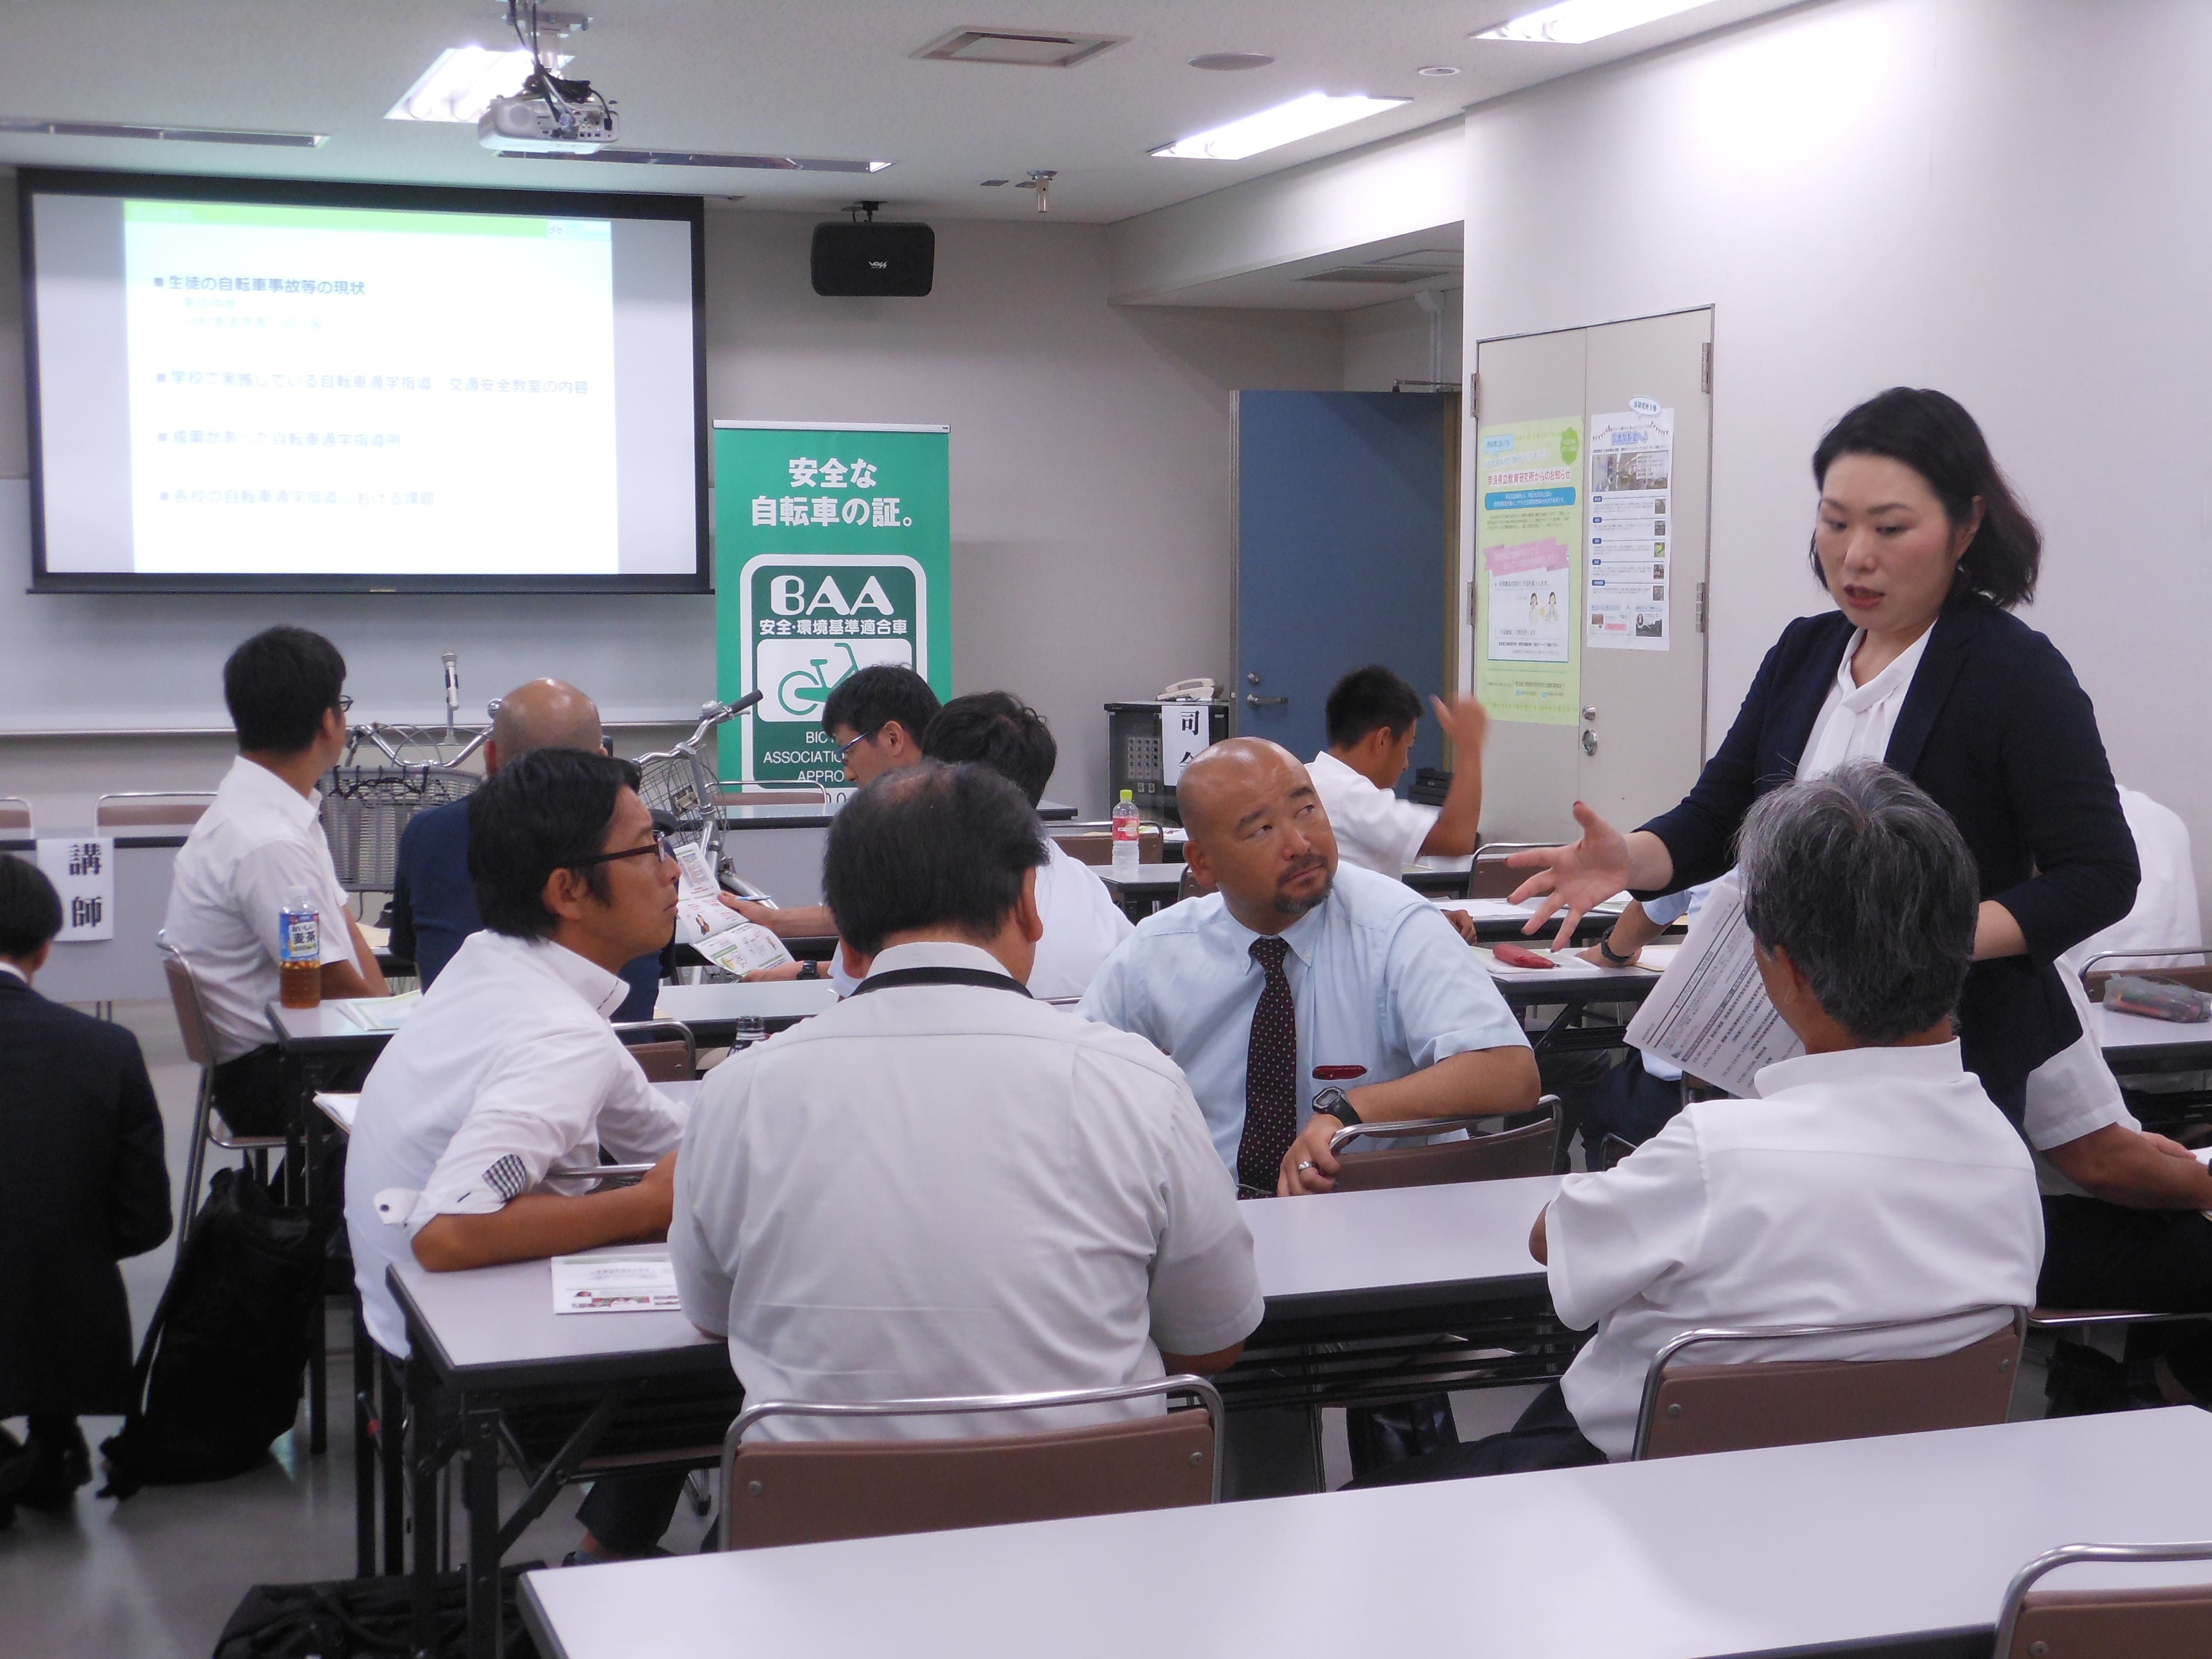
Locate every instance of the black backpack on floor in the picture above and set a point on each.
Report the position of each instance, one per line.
(361, 1619)
(220, 1374)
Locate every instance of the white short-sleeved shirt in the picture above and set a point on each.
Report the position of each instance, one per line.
(1379, 980)
(259, 841)
(1375, 830)
(507, 1079)
(2164, 916)
(1872, 1184)
(931, 1190)
(1082, 928)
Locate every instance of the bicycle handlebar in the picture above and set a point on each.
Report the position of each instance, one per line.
(715, 713)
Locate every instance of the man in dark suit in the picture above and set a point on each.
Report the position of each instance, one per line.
(433, 903)
(84, 1185)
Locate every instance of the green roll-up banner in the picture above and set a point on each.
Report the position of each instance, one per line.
(833, 550)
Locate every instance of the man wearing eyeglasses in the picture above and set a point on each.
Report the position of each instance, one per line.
(876, 717)
(480, 1128)
(261, 840)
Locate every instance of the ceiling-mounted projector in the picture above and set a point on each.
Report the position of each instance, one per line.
(531, 123)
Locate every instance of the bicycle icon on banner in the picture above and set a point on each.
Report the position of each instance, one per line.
(803, 690)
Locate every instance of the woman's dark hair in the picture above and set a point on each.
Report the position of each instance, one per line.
(1934, 436)
(1000, 732)
(533, 816)
(30, 909)
(929, 846)
(278, 686)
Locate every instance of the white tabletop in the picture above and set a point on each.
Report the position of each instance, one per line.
(1312, 1254)
(324, 1023)
(2117, 1030)
(789, 999)
(503, 1317)
(1744, 1552)
(1339, 1244)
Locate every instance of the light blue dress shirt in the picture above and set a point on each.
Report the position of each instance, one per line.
(1379, 980)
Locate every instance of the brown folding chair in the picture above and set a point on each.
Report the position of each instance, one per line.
(812, 1492)
(1490, 876)
(1093, 843)
(208, 1127)
(665, 1049)
(1691, 1409)
(150, 809)
(1505, 1156)
(2165, 1621)
(15, 813)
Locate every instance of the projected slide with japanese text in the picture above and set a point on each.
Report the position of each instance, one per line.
(377, 382)
(250, 390)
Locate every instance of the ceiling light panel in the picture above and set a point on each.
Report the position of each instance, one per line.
(1570, 22)
(1302, 117)
(1025, 48)
(461, 82)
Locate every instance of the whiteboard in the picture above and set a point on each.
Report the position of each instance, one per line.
(123, 662)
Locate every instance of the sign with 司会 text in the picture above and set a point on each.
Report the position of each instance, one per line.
(83, 870)
(833, 554)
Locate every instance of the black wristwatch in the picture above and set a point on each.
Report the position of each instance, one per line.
(1605, 949)
(1332, 1101)
(810, 971)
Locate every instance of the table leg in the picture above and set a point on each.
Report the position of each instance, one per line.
(391, 1448)
(480, 1493)
(365, 1449)
(424, 1454)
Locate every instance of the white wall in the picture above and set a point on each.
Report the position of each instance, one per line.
(2003, 198)
(1090, 497)
(1400, 341)
(1367, 195)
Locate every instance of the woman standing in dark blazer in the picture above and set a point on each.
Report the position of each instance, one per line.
(1925, 552)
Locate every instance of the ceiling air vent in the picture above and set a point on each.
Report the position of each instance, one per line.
(1032, 48)
(1387, 275)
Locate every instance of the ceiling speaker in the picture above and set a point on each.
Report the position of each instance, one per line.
(856, 260)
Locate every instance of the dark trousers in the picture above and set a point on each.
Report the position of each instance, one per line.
(1546, 1437)
(629, 1513)
(2097, 1254)
(249, 1093)
(1629, 1103)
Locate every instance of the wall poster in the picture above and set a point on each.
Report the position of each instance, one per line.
(1631, 462)
(1528, 538)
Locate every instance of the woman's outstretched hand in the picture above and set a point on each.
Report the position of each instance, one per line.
(1570, 880)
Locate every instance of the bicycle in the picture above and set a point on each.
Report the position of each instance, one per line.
(813, 689)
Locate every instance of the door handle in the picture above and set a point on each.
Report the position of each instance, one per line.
(1251, 701)
(1589, 743)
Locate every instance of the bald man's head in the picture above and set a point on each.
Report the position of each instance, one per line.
(1258, 832)
(543, 714)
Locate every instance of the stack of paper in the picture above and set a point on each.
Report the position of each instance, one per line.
(711, 927)
(615, 1283)
(380, 1013)
(1710, 1013)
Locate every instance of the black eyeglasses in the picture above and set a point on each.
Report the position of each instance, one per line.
(845, 749)
(660, 844)
(345, 705)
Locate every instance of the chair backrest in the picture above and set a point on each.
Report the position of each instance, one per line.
(2187, 968)
(2166, 1621)
(185, 998)
(1093, 843)
(1690, 1409)
(665, 1049)
(1490, 876)
(1527, 1150)
(14, 812)
(167, 809)
(1613, 1149)
(812, 1491)
(737, 793)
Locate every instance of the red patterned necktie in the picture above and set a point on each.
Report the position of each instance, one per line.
(1271, 1077)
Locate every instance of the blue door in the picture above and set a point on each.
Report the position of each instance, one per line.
(1342, 533)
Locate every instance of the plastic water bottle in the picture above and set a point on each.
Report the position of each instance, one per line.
(1124, 836)
(300, 951)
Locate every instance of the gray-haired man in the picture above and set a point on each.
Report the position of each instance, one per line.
(1872, 1179)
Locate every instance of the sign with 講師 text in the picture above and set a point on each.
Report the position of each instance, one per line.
(82, 871)
(833, 551)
